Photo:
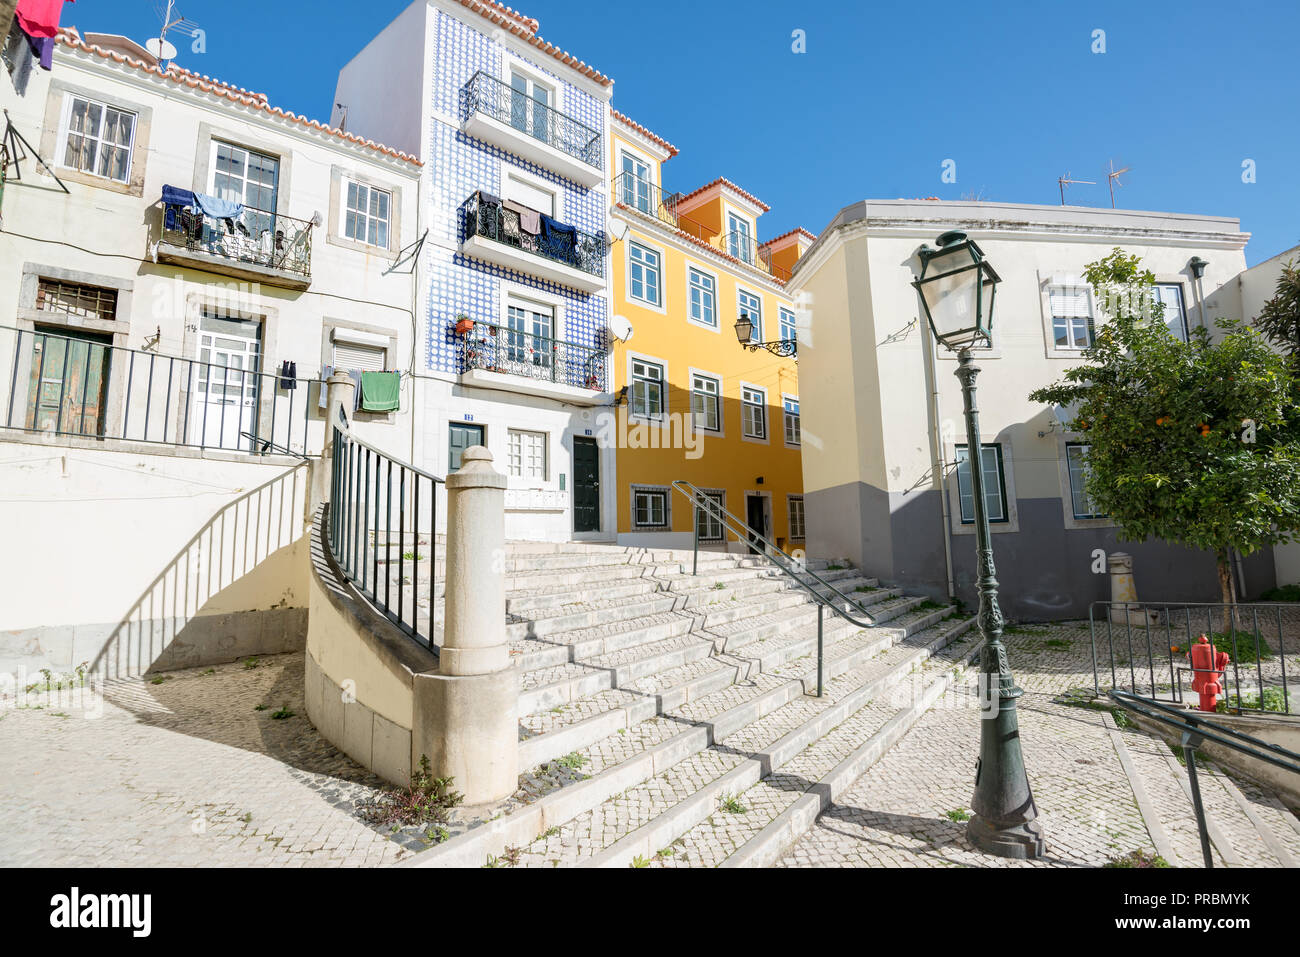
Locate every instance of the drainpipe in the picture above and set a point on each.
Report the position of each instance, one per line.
(1197, 265)
(936, 456)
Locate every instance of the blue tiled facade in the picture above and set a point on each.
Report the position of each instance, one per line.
(461, 165)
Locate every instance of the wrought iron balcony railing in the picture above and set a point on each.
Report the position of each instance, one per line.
(517, 352)
(646, 198)
(499, 101)
(256, 236)
(558, 242)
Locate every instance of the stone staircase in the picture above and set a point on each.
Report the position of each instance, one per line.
(1247, 825)
(652, 700)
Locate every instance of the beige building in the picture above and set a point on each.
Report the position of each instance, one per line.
(884, 458)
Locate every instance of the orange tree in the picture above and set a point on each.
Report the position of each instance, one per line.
(1196, 443)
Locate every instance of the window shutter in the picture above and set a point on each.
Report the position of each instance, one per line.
(362, 358)
(1070, 302)
(529, 195)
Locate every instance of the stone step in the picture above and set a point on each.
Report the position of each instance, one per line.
(638, 822)
(620, 761)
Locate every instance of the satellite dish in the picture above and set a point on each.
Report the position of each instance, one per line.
(621, 328)
(160, 49)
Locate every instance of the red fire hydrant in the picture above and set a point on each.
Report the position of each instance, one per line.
(1207, 676)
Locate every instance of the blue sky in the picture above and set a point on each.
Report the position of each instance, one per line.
(1012, 92)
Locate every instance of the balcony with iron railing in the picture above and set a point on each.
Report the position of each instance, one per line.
(631, 192)
(257, 245)
(512, 119)
(496, 232)
(538, 363)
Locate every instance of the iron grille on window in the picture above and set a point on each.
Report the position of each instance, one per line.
(76, 299)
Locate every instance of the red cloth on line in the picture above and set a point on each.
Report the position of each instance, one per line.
(40, 18)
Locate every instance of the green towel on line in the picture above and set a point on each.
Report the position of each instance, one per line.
(380, 391)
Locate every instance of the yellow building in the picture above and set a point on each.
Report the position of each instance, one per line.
(695, 403)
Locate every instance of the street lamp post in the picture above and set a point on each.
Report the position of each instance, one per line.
(778, 347)
(957, 287)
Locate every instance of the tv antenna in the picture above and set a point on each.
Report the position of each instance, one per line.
(162, 49)
(1113, 176)
(1065, 181)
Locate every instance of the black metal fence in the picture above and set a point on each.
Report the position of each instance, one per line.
(383, 519)
(82, 385)
(256, 236)
(558, 242)
(1143, 646)
(517, 352)
(487, 95)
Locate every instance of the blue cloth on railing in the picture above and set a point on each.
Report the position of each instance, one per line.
(174, 200)
(558, 238)
(218, 208)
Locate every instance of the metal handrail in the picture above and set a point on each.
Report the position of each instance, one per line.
(496, 222)
(1196, 730)
(270, 239)
(358, 474)
(791, 566)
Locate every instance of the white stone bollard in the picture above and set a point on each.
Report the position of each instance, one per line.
(1123, 591)
(466, 717)
(340, 392)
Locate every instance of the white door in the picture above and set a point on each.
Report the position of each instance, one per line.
(226, 384)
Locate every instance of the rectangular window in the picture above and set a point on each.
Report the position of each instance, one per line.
(366, 214)
(459, 438)
(530, 106)
(788, 329)
(251, 178)
(1170, 295)
(797, 532)
(650, 508)
(706, 402)
(739, 242)
(635, 183)
(643, 274)
(530, 335)
(527, 454)
(753, 412)
(708, 526)
(703, 303)
(995, 490)
(1076, 461)
(646, 397)
(358, 356)
(76, 299)
(1072, 323)
(793, 433)
(751, 305)
(98, 138)
(526, 192)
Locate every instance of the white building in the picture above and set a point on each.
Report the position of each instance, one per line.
(883, 433)
(513, 134)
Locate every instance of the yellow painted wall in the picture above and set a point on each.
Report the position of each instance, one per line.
(728, 462)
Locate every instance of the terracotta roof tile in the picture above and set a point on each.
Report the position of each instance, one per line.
(728, 183)
(526, 29)
(702, 244)
(177, 74)
(637, 127)
(797, 229)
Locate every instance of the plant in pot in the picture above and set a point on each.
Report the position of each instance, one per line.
(464, 324)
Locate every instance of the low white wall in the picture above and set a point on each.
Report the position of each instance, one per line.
(132, 558)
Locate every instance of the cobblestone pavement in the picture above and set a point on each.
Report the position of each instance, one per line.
(183, 772)
(908, 809)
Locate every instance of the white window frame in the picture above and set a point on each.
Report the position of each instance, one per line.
(527, 454)
(697, 375)
(757, 320)
(637, 158)
(735, 219)
(787, 323)
(790, 501)
(536, 182)
(746, 405)
(958, 527)
(710, 523)
(662, 416)
(658, 251)
(691, 269)
(1048, 284)
(364, 216)
(786, 417)
(65, 123)
(1182, 302)
(528, 297)
(658, 491)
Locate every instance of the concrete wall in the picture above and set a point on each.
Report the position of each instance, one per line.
(360, 672)
(876, 496)
(134, 559)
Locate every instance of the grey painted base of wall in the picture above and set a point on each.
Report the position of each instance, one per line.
(122, 649)
(367, 738)
(1046, 571)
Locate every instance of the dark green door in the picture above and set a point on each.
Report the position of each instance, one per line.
(586, 485)
(461, 437)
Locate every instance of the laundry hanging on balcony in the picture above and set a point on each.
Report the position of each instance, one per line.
(530, 220)
(176, 202)
(380, 391)
(558, 237)
(219, 208)
(40, 18)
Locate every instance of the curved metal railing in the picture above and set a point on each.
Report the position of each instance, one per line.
(365, 501)
(794, 568)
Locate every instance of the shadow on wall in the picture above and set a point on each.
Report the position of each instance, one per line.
(237, 588)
